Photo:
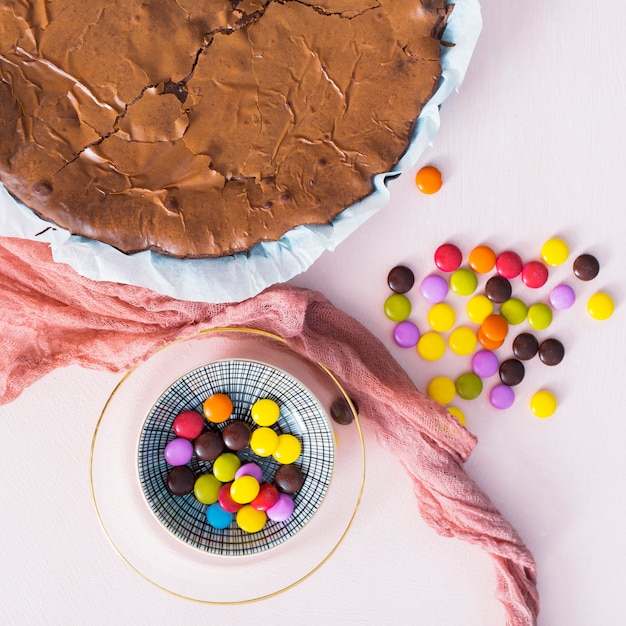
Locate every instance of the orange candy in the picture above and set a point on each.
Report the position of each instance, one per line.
(495, 327)
(428, 179)
(485, 342)
(217, 408)
(482, 259)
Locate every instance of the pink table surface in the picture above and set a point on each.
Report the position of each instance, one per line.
(530, 148)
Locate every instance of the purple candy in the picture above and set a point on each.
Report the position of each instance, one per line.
(434, 288)
(485, 364)
(178, 451)
(502, 397)
(406, 334)
(250, 469)
(562, 297)
(282, 509)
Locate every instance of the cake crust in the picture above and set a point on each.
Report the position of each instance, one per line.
(198, 128)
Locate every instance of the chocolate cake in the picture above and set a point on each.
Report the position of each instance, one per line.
(198, 128)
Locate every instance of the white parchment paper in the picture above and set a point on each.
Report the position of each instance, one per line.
(243, 275)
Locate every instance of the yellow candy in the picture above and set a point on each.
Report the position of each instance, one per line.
(600, 306)
(539, 316)
(206, 488)
(264, 441)
(265, 412)
(244, 489)
(462, 340)
(431, 346)
(441, 317)
(288, 449)
(441, 389)
(478, 308)
(225, 466)
(250, 520)
(543, 404)
(455, 412)
(554, 251)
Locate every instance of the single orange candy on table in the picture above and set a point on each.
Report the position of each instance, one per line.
(482, 259)
(217, 408)
(428, 179)
(495, 327)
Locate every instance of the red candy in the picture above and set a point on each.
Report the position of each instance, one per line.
(448, 257)
(266, 498)
(188, 424)
(534, 274)
(225, 499)
(509, 264)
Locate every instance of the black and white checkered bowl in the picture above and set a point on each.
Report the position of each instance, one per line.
(244, 381)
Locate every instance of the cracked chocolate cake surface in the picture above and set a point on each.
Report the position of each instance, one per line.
(198, 128)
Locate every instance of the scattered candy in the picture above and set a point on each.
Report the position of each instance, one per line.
(264, 441)
(266, 498)
(441, 317)
(341, 412)
(482, 259)
(462, 341)
(431, 346)
(551, 351)
(485, 342)
(434, 288)
(469, 385)
(400, 279)
(448, 257)
(600, 306)
(586, 267)
(441, 389)
(495, 327)
(562, 297)
(485, 363)
(502, 397)
(265, 412)
(288, 478)
(498, 289)
(428, 179)
(178, 451)
(188, 424)
(534, 274)
(180, 480)
(225, 466)
(463, 282)
(397, 307)
(509, 264)
(217, 408)
(251, 520)
(478, 308)
(288, 449)
(250, 469)
(456, 412)
(554, 251)
(206, 488)
(406, 334)
(512, 372)
(217, 517)
(236, 435)
(539, 316)
(244, 489)
(525, 346)
(208, 446)
(543, 404)
(282, 510)
(514, 311)
(225, 499)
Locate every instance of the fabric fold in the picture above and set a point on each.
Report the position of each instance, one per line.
(52, 317)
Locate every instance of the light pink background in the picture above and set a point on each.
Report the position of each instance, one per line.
(531, 147)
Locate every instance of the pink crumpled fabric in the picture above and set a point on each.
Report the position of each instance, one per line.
(52, 317)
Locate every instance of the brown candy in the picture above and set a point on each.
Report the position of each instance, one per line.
(525, 346)
(236, 435)
(288, 478)
(208, 446)
(586, 267)
(400, 279)
(498, 289)
(180, 480)
(551, 351)
(341, 412)
(512, 372)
